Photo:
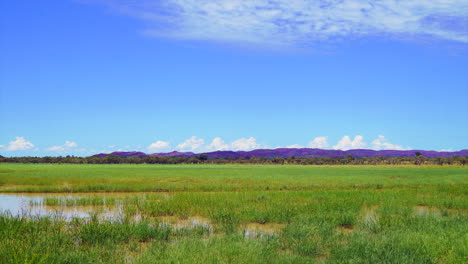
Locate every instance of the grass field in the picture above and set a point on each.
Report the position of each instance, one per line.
(241, 214)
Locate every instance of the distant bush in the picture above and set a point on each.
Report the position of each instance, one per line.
(203, 159)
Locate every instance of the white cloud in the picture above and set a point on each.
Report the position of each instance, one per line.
(346, 143)
(70, 144)
(217, 144)
(56, 148)
(380, 143)
(63, 148)
(159, 146)
(112, 146)
(192, 144)
(298, 21)
(19, 144)
(294, 146)
(245, 144)
(319, 142)
(195, 144)
(446, 150)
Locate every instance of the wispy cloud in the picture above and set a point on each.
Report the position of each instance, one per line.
(446, 150)
(293, 22)
(68, 146)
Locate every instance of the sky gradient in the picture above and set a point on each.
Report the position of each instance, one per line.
(82, 77)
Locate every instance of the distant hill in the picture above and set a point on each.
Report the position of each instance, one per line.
(297, 152)
(123, 154)
(174, 154)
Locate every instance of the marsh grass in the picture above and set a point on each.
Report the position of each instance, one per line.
(68, 201)
(361, 215)
(210, 178)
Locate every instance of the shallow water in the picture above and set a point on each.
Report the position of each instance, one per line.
(254, 230)
(189, 222)
(19, 204)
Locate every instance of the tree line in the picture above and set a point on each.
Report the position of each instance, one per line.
(418, 159)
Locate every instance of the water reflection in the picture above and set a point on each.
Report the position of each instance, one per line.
(19, 204)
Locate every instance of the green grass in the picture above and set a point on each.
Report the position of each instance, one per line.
(176, 178)
(83, 201)
(310, 214)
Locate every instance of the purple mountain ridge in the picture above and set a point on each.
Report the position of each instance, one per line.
(174, 154)
(123, 154)
(298, 152)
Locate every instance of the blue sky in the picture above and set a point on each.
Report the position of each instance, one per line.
(81, 77)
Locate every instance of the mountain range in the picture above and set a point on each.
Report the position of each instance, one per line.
(297, 152)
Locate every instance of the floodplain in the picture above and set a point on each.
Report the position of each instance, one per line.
(61, 213)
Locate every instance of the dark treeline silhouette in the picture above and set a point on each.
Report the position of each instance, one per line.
(203, 159)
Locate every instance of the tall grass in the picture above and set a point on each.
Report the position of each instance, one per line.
(70, 201)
